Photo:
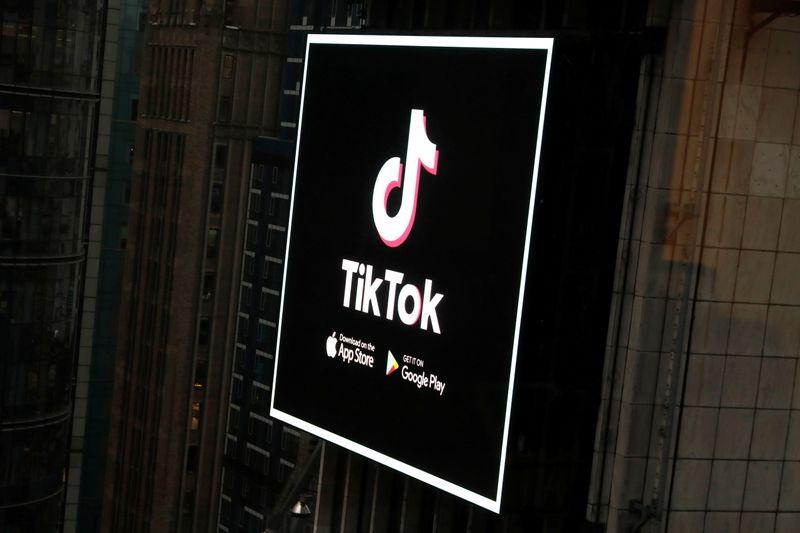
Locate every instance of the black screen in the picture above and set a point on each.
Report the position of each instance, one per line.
(482, 109)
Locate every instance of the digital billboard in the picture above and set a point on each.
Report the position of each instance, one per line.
(407, 250)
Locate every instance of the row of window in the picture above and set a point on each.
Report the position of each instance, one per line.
(169, 87)
(271, 271)
(268, 299)
(273, 232)
(265, 331)
(278, 204)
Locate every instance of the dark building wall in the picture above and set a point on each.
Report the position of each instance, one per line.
(48, 102)
(209, 85)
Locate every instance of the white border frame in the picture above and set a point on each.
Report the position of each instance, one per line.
(528, 43)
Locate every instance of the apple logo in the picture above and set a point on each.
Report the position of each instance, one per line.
(330, 345)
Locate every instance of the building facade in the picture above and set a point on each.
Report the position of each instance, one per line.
(699, 428)
(269, 465)
(108, 227)
(50, 82)
(211, 74)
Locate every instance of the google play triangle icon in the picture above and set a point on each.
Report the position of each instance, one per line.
(391, 364)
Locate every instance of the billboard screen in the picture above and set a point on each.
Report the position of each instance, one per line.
(407, 250)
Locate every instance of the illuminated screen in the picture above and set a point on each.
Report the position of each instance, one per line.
(408, 245)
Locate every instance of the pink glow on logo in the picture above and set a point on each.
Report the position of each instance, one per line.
(421, 152)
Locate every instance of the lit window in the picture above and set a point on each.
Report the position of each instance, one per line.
(228, 66)
(200, 370)
(196, 411)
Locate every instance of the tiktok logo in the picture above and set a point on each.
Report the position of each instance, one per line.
(394, 230)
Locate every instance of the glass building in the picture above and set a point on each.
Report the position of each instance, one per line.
(107, 246)
(49, 88)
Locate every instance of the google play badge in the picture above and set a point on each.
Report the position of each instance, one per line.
(391, 364)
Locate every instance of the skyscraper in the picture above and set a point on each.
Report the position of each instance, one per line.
(107, 239)
(50, 54)
(268, 465)
(210, 84)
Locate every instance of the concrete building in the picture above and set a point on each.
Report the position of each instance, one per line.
(50, 84)
(211, 76)
(699, 429)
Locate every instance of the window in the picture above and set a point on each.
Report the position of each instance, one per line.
(251, 425)
(237, 387)
(134, 108)
(230, 446)
(272, 230)
(290, 440)
(272, 271)
(204, 332)
(285, 470)
(262, 298)
(228, 66)
(252, 233)
(200, 371)
(255, 201)
(244, 328)
(233, 416)
(262, 365)
(274, 175)
(216, 198)
(123, 238)
(259, 394)
(191, 459)
(224, 114)
(249, 264)
(245, 296)
(196, 413)
(221, 156)
(262, 331)
(213, 243)
(241, 356)
(209, 281)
